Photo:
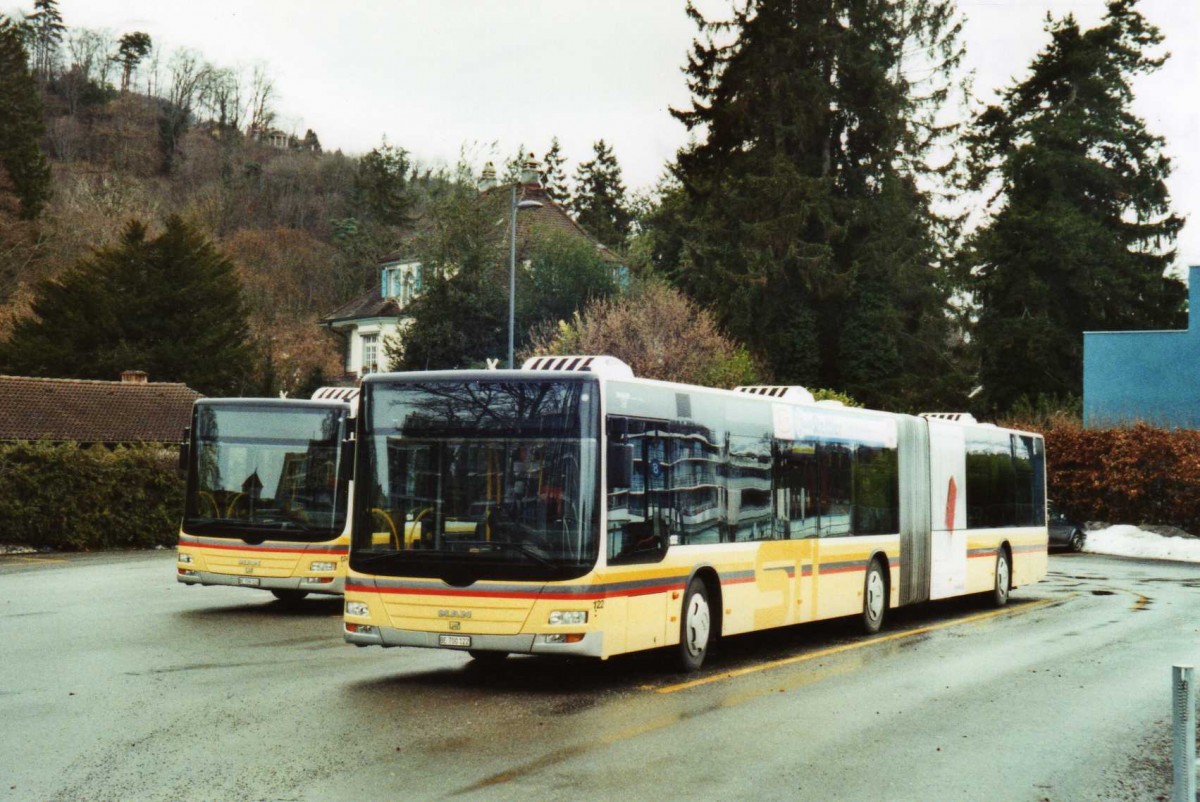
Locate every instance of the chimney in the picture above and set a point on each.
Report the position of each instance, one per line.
(488, 179)
(529, 172)
(134, 377)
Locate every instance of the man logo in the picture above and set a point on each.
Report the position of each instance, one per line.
(454, 613)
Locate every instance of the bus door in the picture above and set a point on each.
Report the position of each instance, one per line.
(948, 508)
(798, 517)
(641, 519)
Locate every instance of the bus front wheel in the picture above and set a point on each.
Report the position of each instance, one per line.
(874, 598)
(695, 626)
(1003, 578)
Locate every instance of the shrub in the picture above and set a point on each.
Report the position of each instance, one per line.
(66, 496)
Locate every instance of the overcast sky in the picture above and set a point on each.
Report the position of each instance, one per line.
(433, 76)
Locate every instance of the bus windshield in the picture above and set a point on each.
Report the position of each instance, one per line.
(483, 479)
(266, 472)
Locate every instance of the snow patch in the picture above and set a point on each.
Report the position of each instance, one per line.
(1130, 541)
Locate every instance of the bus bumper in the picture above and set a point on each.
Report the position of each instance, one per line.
(336, 587)
(591, 645)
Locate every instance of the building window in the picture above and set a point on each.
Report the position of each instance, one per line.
(402, 282)
(370, 353)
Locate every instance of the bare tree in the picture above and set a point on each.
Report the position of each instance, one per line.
(221, 98)
(89, 51)
(189, 74)
(262, 96)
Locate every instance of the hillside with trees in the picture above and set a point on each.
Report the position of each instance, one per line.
(814, 223)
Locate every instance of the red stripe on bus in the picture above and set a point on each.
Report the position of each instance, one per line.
(599, 593)
(263, 548)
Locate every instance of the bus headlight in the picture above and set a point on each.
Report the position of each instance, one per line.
(357, 608)
(185, 558)
(322, 566)
(574, 617)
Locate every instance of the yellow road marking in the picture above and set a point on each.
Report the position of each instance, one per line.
(846, 647)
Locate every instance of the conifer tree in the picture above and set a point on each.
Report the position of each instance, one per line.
(132, 49)
(46, 29)
(170, 305)
(1083, 233)
(805, 216)
(598, 202)
(23, 168)
(554, 178)
(381, 185)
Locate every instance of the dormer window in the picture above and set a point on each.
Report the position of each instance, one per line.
(402, 282)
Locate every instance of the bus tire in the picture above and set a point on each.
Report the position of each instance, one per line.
(695, 626)
(1003, 581)
(289, 596)
(875, 601)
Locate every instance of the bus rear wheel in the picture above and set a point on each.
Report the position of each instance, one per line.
(695, 627)
(289, 596)
(874, 598)
(1003, 579)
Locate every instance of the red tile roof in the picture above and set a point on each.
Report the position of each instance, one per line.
(94, 411)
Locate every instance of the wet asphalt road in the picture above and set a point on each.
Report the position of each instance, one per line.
(118, 683)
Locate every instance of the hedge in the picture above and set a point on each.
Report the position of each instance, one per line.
(72, 497)
(65, 496)
(1135, 475)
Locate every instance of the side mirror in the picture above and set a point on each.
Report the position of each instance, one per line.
(346, 459)
(620, 465)
(184, 449)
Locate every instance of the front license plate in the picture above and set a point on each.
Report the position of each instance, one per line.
(454, 640)
(251, 581)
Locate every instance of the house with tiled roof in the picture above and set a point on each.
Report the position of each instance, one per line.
(367, 321)
(132, 410)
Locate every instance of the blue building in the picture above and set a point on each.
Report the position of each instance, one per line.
(1149, 376)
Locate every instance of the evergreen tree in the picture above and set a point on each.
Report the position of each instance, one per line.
(554, 179)
(46, 29)
(23, 168)
(170, 305)
(132, 48)
(381, 185)
(461, 317)
(805, 217)
(599, 203)
(1084, 230)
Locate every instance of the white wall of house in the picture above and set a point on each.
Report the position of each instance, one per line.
(366, 353)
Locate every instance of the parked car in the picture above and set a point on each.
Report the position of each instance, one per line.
(1064, 532)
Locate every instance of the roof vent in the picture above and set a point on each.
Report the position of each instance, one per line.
(335, 394)
(347, 395)
(783, 392)
(953, 417)
(134, 377)
(608, 366)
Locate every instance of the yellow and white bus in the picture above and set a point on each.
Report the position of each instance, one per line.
(570, 508)
(267, 494)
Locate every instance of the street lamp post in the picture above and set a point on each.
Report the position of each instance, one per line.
(514, 207)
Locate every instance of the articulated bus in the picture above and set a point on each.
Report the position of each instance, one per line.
(267, 494)
(570, 508)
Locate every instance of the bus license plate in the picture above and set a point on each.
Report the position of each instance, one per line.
(454, 640)
(252, 581)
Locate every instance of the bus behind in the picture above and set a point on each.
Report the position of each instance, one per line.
(267, 493)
